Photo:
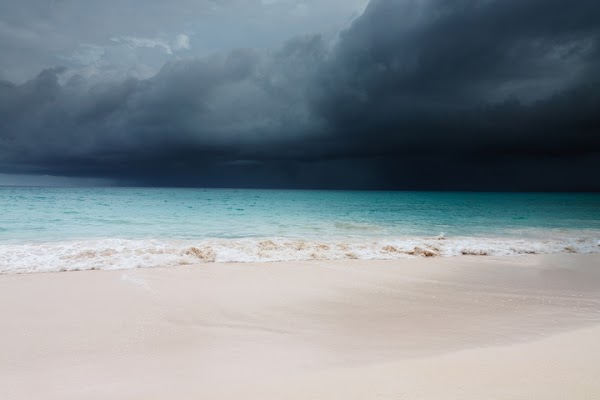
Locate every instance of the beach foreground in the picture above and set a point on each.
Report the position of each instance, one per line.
(453, 328)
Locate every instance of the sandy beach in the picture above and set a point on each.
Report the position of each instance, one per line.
(445, 328)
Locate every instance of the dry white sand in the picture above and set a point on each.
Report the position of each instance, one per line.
(454, 328)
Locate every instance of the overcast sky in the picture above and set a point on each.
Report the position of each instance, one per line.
(386, 94)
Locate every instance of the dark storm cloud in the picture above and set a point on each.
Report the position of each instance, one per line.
(183, 121)
(432, 94)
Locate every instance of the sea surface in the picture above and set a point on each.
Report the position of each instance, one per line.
(60, 229)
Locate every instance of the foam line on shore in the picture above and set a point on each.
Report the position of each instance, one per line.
(129, 254)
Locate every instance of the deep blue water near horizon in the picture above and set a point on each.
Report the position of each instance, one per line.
(107, 226)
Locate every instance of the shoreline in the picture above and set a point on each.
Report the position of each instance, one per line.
(123, 254)
(418, 328)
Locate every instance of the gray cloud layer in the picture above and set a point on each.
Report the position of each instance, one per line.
(113, 38)
(431, 94)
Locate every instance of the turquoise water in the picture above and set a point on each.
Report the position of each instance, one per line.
(221, 222)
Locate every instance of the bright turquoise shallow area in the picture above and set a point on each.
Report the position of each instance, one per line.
(56, 214)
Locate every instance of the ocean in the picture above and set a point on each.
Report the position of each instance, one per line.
(61, 229)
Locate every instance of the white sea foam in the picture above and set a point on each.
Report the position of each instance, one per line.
(127, 254)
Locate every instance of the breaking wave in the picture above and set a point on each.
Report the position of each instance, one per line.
(127, 254)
